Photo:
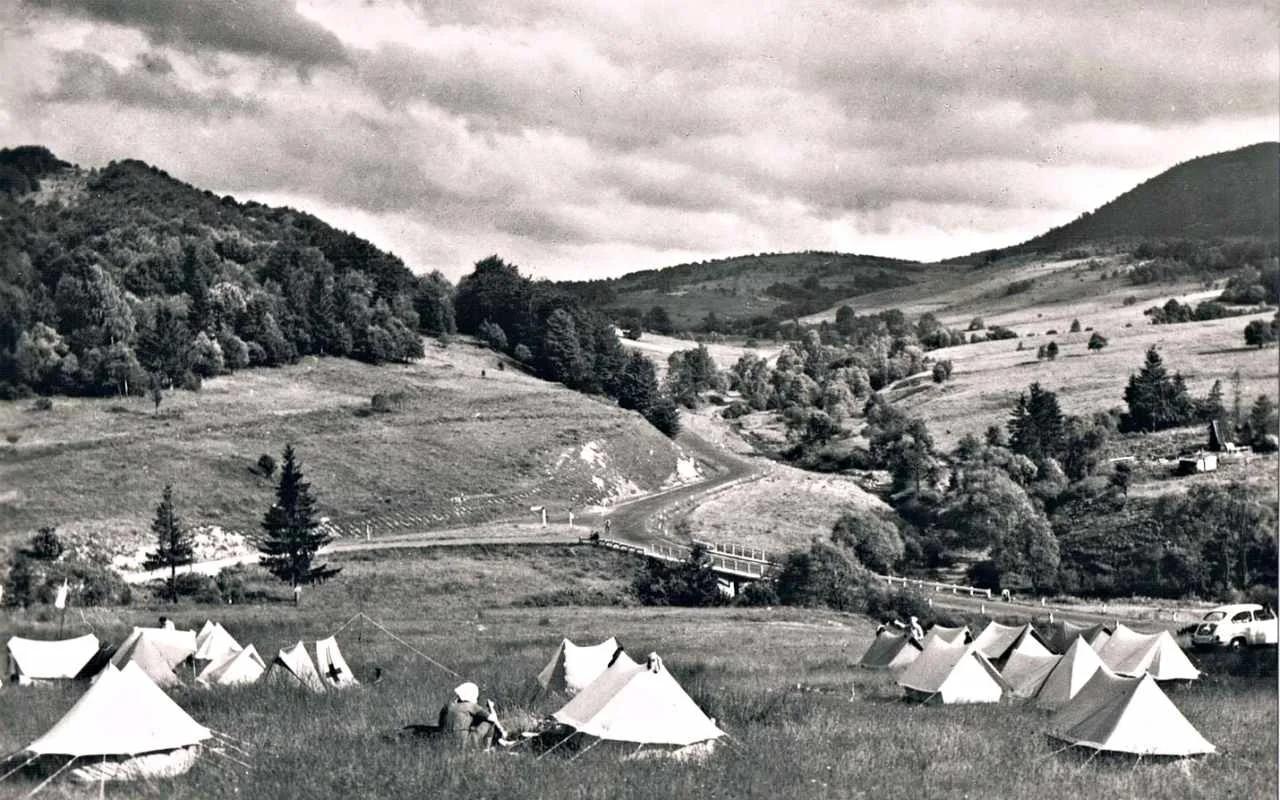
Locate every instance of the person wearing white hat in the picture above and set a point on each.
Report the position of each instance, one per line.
(466, 722)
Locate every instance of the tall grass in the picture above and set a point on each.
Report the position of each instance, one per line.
(803, 721)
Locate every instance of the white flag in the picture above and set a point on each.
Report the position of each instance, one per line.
(61, 600)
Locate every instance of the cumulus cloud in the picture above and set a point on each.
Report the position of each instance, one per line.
(585, 136)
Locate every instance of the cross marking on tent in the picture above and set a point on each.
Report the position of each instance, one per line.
(334, 672)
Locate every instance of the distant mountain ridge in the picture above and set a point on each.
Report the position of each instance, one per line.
(1226, 195)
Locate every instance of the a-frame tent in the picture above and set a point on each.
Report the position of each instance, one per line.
(34, 661)
(331, 666)
(174, 646)
(573, 667)
(123, 727)
(1127, 715)
(891, 651)
(235, 669)
(639, 703)
(1026, 671)
(997, 642)
(952, 673)
(214, 643)
(949, 635)
(293, 666)
(1128, 652)
(1073, 671)
(147, 656)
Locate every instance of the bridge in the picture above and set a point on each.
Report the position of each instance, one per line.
(730, 560)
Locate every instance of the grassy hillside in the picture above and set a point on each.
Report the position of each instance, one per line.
(779, 285)
(455, 446)
(803, 720)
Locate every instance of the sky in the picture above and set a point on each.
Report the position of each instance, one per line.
(590, 138)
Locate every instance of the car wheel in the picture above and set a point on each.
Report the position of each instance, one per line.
(1237, 643)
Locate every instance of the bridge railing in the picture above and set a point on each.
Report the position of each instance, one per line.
(722, 562)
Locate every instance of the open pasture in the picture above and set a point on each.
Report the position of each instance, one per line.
(454, 447)
(804, 721)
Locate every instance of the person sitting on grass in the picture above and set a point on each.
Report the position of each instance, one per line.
(464, 721)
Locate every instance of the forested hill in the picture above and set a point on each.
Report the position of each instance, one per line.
(747, 294)
(116, 279)
(1222, 196)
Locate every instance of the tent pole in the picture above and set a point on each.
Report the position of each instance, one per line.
(227, 736)
(556, 746)
(102, 780)
(232, 745)
(586, 750)
(230, 758)
(20, 766)
(58, 772)
(1091, 758)
(411, 648)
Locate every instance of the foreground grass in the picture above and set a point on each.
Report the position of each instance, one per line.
(804, 721)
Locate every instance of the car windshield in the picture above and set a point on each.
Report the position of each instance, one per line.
(1214, 616)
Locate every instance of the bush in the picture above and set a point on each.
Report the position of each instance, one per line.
(231, 584)
(758, 593)
(42, 404)
(1000, 332)
(266, 465)
(735, 409)
(576, 596)
(380, 403)
(12, 438)
(200, 588)
(899, 602)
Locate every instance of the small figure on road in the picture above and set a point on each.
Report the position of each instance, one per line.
(917, 632)
(1005, 595)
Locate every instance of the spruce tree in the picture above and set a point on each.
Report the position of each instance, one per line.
(1156, 400)
(174, 547)
(291, 532)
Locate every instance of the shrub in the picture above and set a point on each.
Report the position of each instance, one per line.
(200, 588)
(735, 409)
(1018, 287)
(266, 465)
(192, 382)
(12, 438)
(42, 404)
(380, 403)
(231, 583)
(576, 596)
(758, 593)
(1000, 332)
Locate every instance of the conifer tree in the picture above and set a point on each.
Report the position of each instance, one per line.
(291, 532)
(174, 547)
(1156, 400)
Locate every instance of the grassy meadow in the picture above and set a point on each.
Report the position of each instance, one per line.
(457, 447)
(803, 720)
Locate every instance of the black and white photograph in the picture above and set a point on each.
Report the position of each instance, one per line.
(545, 399)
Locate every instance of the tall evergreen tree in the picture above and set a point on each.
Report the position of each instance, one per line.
(1156, 400)
(1037, 429)
(291, 532)
(174, 547)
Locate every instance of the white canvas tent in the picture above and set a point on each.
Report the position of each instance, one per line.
(638, 703)
(331, 666)
(891, 651)
(213, 643)
(1072, 672)
(147, 655)
(37, 661)
(949, 635)
(124, 726)
(952, 673)
(997, 642)
(574, 667)
(174, 646)
(1131, 653)
(235, 669)
(1127, 715)
(1026, 671)
(293, 666)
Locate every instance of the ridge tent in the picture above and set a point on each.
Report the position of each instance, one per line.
(1131, 653)
(1025, 672)
(234, 669)
(293, 665)
(949, 635)
(37, 661)
(997, 642)
(952, 673)
(1073, 671)
(1127, 715)
(892, 651)
(124, 727)
(214, 643)
(574, 666)
(175, 646)
(639, 703)
(1061, 635)
(148, 657)
(331, 666)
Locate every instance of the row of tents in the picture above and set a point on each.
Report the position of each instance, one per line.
(212, 654)
(1102, 687)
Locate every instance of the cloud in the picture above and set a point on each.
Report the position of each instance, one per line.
(267, 28)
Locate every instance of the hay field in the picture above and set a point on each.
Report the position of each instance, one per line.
(456, 448)
(805, 722)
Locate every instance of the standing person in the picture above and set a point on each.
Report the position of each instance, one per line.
(465, 721)
(917, 632)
